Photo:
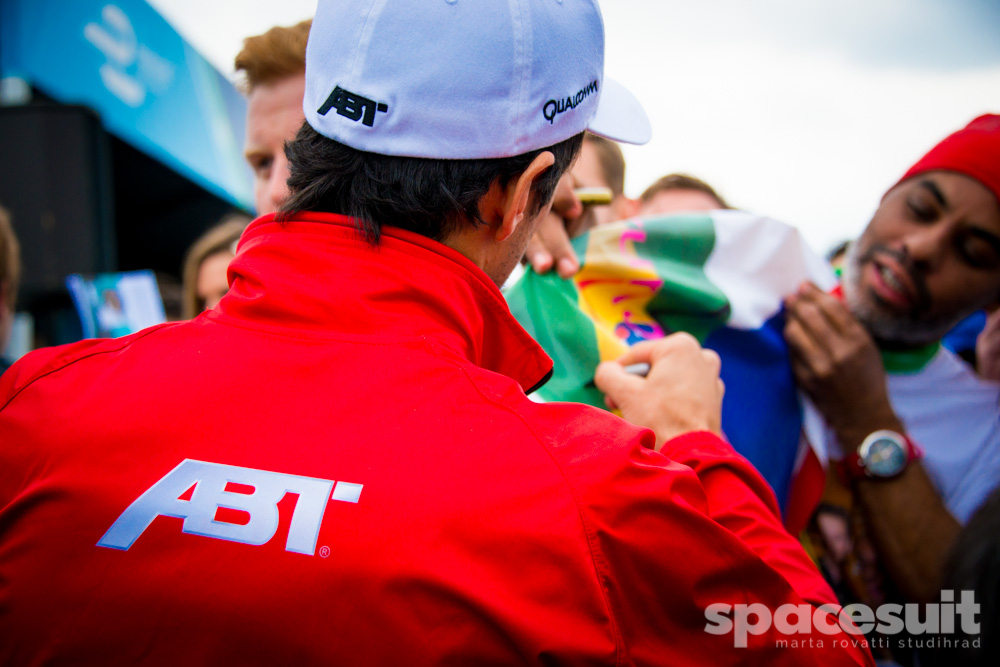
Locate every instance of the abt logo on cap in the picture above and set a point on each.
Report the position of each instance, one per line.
(352, 106)
(209, 481)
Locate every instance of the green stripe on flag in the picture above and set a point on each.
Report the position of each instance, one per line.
(638, 277)
(566, 334)
(678, 250)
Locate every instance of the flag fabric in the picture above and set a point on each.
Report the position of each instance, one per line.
(719, 275)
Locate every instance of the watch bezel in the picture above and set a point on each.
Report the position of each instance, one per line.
(871, 467)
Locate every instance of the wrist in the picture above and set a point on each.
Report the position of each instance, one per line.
(850, 435)
(691, 444)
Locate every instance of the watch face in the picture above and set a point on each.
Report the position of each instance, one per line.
(885, 457)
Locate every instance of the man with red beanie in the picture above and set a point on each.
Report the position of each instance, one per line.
(912, 429)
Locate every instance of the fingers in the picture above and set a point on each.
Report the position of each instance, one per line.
(567, 266)
(808, 330)
(988, 348)
(712, 361)
(810, 345)
(835, 361)
(820, 331)
(616, 383)
(539, 258)
(640, 353)
(819, 310)
(550, 247)
(681, 393)
(648, 351)
(802, 342)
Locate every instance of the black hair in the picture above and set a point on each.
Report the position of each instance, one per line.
(431, 197)
(974, 565)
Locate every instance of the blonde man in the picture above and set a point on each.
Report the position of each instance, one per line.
(274, 67)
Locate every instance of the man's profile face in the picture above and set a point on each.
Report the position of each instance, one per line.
(929, 257)
(274, 115)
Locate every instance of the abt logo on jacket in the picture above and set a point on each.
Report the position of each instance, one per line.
(209, 481)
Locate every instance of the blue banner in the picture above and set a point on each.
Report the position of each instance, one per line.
(149, 86)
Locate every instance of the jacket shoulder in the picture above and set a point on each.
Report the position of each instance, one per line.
(48, 360)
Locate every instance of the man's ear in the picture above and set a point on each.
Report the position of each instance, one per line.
(518, 194)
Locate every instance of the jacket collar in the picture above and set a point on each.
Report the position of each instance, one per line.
(315, 276)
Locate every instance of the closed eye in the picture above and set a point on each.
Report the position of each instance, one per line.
(980, 249)
(259, 163)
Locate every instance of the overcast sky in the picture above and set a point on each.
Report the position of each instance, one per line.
(805, 111)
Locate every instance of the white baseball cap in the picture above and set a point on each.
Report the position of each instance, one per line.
(463, 79)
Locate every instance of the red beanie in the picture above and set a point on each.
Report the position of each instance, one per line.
(973, 151)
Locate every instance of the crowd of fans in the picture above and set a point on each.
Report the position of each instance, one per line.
(611, 549)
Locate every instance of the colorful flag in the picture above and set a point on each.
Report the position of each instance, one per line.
(719, 275)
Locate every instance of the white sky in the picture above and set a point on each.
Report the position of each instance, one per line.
(805, 111)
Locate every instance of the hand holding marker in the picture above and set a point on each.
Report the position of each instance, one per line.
(640, 369)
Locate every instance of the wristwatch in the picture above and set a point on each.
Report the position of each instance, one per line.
(882, 455)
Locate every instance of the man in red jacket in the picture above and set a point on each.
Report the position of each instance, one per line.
(339, 465)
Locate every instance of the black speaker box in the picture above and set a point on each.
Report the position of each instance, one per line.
(56, 181)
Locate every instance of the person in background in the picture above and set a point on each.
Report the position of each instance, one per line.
(171, 291)
(602, 164)
(836, 254)
(273, 66)
(205, 265)
(10, 276)
(675, 193)
(913, 431)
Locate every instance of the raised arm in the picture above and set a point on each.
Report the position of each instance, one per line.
(680, 401)
(837, 364)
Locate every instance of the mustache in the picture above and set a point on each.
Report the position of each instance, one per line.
(916, 277)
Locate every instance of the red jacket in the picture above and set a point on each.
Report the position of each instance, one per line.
(339, 465)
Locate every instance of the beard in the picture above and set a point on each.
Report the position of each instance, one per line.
(882, 322)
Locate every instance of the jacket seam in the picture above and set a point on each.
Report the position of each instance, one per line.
(70, 362)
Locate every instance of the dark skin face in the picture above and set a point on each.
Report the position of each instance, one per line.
(930, 256)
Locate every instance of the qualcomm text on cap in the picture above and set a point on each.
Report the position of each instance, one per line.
(553, 108)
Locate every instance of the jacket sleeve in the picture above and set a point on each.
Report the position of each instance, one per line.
(742, 502)
(690, 547)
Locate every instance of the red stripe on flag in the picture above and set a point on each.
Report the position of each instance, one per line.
(804, 493)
